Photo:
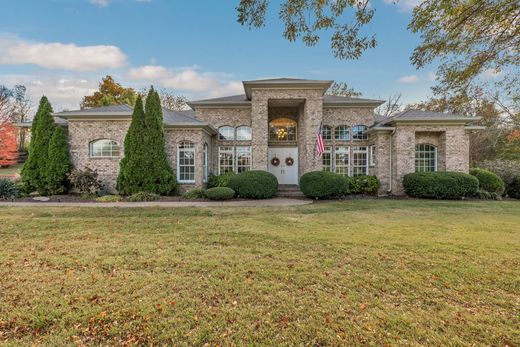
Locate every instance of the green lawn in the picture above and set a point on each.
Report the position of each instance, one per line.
(11, 170)
(376, 272)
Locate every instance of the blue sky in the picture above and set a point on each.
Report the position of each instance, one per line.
(62, 48)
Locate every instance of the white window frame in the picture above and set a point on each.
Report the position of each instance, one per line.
(330, 131)
(342, 150)
(114, 147)
(372, 155)
(243, 150)
(221, 137)
(359, 150)
(435, 168)
(249, 132)
(348, 132)
(190, 149)
(231, 149)
(205, 163)
(363, 134)
(328, 151)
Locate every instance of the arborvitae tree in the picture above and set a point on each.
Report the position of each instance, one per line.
(132, 171)
(160, 178)
(58, 163)
(34, 169)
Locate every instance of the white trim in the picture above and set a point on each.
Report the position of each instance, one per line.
(192, 149)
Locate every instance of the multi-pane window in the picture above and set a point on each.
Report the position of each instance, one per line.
(226, 156)
(205, 163)
(359, 133)
(326, 132)
(326, 158)
(342, 160)
(244, 133)
(342, 133)
(226, 133)
(282, 130)
(359, 160)
(425, 158)
(373, 155)
(243, 155)
(104, 148)
(186, 162)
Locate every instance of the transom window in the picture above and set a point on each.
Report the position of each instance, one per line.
(359, 133)
(244, 133)
(226, 133)
(359, 160)
(425, 158)
(186, 162)
(282, 130)
(327, 132)
(342, 133)
(104, 148)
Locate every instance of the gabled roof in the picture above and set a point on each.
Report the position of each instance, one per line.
(121, 110)
(424, 116)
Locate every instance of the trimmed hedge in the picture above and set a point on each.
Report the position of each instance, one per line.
(363, 185)
(254, 184)
(440, 185)
(323, 185)
(513, 190)
(220, 193)
(488, 181)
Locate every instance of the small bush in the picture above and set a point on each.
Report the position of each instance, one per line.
(193, 194)
(220, 193)
(323, 184)
(109, 198)
(513, 190)
(254, 185)
(9, 190)
(142, 196)
(363, 185)
(482, 194)
(440, 185)
(488, 181)
(220, 180)
(85, 181)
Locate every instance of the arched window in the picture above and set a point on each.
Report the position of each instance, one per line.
(104, 148)
(226, 133)
(425, 158)
(244, 133)
(186, 162)
(205, 163)
(359, 133)
(342, 133)
(326, 132)
(282, 130)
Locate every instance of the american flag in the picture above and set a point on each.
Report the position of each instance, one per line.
(320, 147)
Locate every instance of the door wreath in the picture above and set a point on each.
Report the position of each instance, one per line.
(275, 161)
(289, 161)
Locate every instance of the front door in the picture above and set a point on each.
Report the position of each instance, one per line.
(283, 163)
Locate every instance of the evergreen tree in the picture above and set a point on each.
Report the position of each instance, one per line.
(160, 178)
(58, 163)
(34, 169)
(132, 171)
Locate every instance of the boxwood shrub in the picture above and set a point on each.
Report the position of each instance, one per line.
(254, 184)
(513, 190)
(220, 193)
(9, 189)
(220, 180)
(323, 185)
(488, 181)
(363, 185)
(196, 193)
(440, 185)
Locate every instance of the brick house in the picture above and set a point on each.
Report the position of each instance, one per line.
(272, 126)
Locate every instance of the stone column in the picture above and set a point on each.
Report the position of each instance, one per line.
(259, 125)
(312, 117)
(382, 168)
(457, 149)
(404, 156)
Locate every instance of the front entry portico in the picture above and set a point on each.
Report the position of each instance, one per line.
(283, 163)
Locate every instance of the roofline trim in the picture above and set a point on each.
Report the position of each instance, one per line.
(263, 84)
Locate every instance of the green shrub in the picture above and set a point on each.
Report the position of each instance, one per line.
(363, 185)
(220, 193)
(193, 194)
(220, 180)
(323, 184)
(440, 185)
(488, 181)
(254, 184)
(109, 198)
(513, 190)
(142, 196)
(482, 194)
(9, 189)
(85, 181)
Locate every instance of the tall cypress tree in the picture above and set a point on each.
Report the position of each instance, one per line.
(160, 179)
(132, 169)
(34, 169)
(58, 163)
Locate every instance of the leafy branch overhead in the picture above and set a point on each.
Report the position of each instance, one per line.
(306, 19)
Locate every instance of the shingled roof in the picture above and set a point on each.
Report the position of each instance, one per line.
(423, 116)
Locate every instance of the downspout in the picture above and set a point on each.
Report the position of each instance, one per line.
(390, 176)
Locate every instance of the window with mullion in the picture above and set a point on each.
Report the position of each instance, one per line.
(186, 162)
(342, 160)
(359, 161)
(425, 158)
(226, 159)
(327, 159)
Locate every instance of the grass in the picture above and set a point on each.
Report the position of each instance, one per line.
(376, 272)
(10, 170)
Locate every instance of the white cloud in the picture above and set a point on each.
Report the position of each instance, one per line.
(100, 3)
(56, 55)
(491, 74)
(186, 79)
(432, 76)
(404, 5)
(408, 79)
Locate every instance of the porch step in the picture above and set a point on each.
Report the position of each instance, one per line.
(289, 191)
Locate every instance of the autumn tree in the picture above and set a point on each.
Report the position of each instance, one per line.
(342, 89)
(8, 144)
(110, 93)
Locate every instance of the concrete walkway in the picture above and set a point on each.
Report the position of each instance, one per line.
(235, 203)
